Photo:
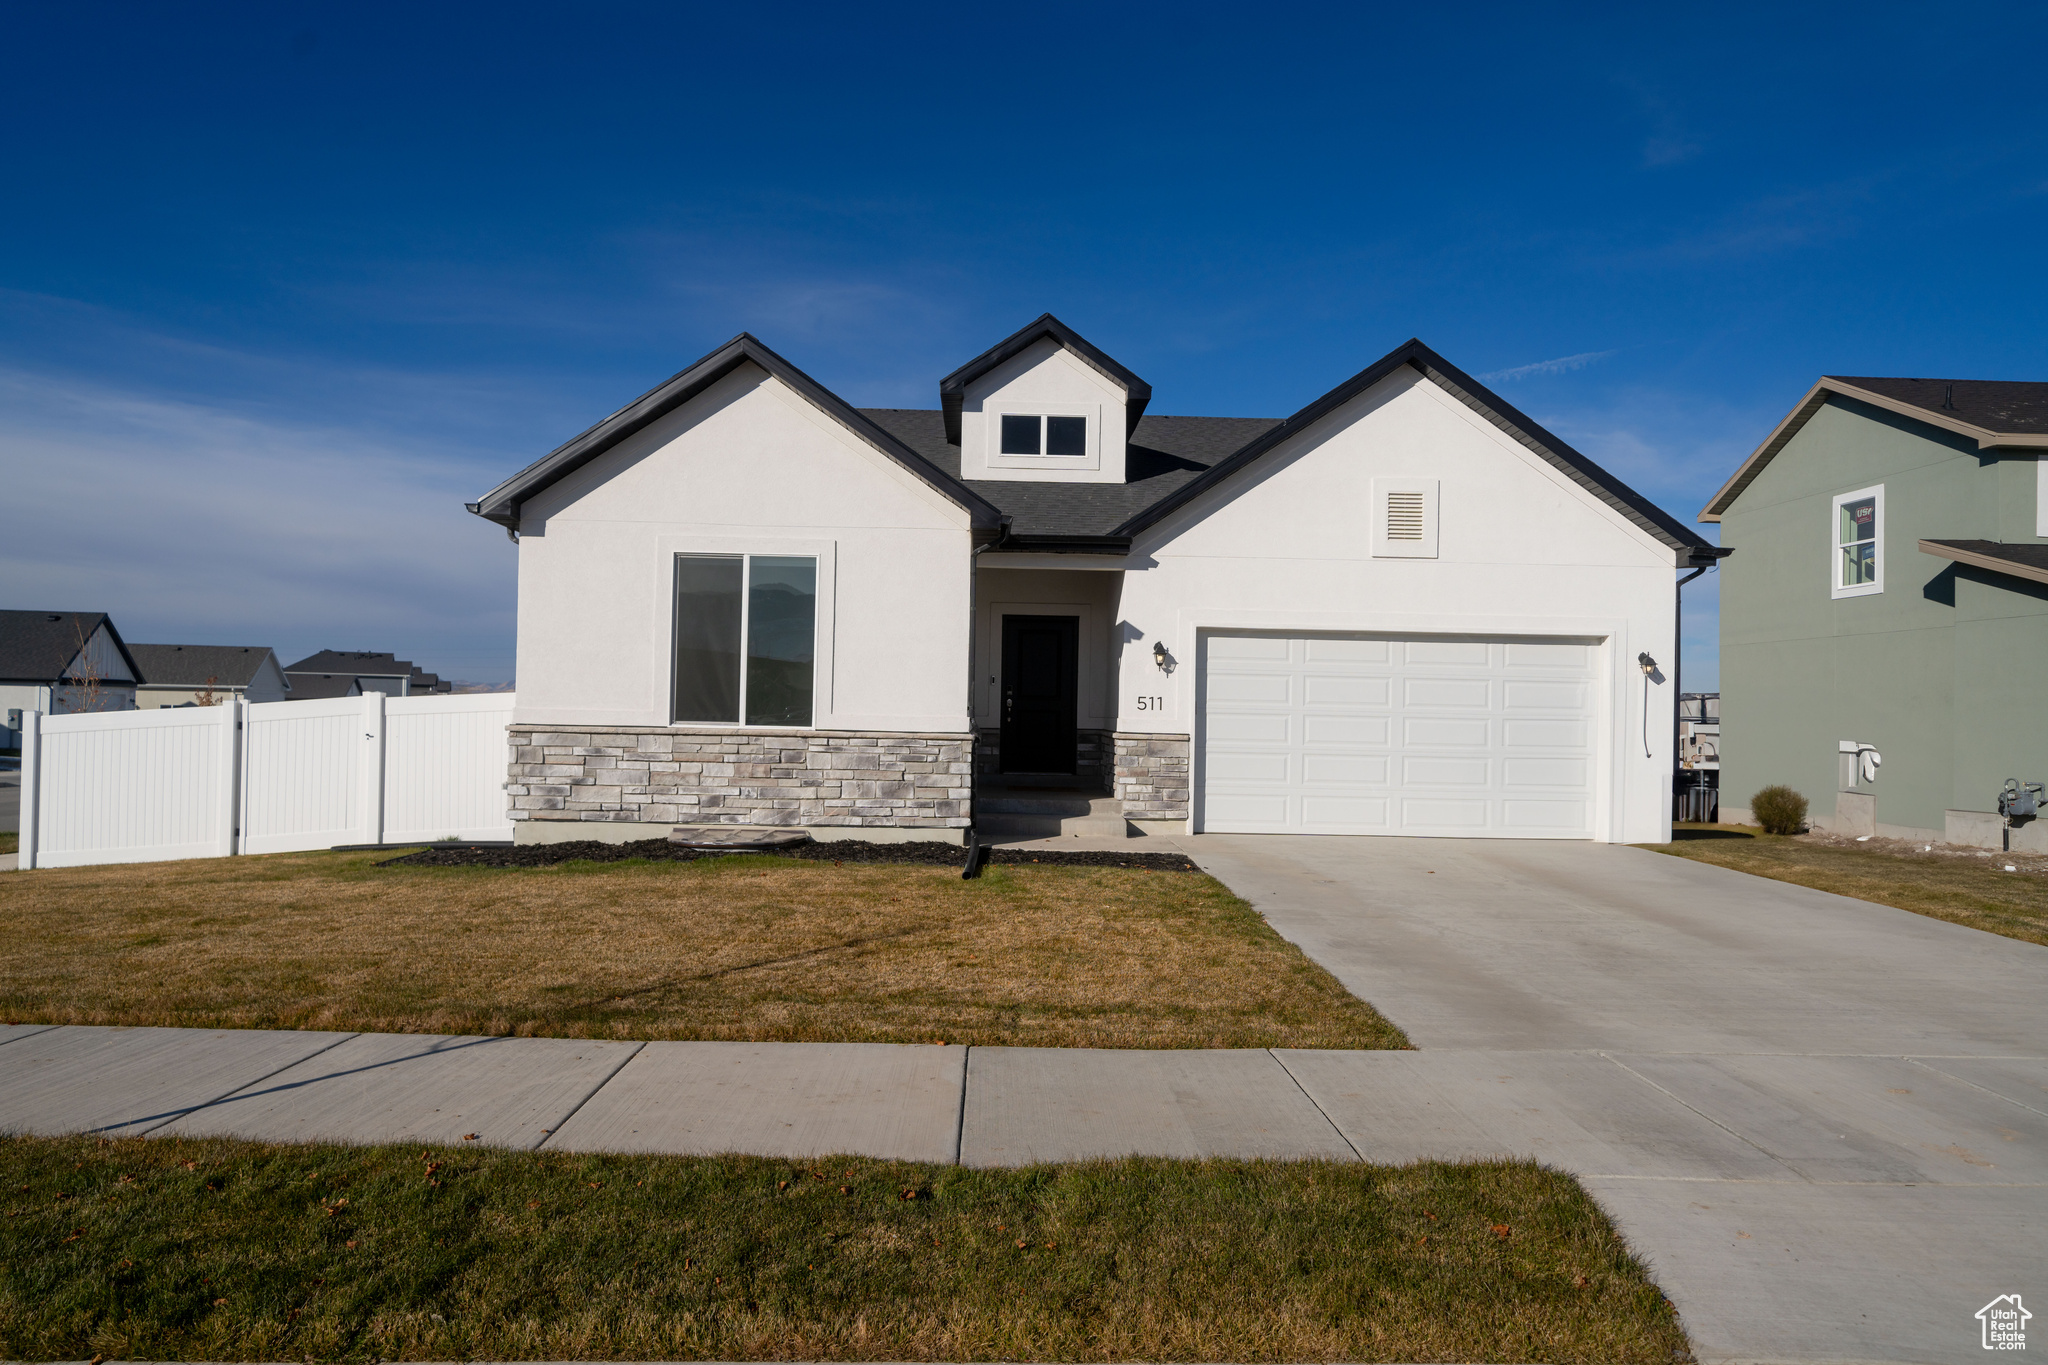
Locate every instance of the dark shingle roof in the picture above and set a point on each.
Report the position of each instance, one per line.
(2016, 406)
(354, 662)
(194, 665)
(1164, 454)
(35, 646)
(2021, 559)
(321, 686)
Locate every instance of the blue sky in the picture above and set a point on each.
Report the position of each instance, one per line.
(282, 285)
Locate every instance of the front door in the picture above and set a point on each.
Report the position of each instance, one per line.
(1041, 679)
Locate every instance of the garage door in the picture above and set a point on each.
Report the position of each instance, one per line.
(1444, 735)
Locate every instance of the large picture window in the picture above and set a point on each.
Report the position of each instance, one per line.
(1858, 555)
(745, 639)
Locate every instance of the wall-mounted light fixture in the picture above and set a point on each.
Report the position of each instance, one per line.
(1161, 657)
(1649, 665)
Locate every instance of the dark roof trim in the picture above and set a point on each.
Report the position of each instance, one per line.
(1065, 545)
(501, 504)
(1469, 391)
(2021, 561)
(953, 388)
(1817, 398)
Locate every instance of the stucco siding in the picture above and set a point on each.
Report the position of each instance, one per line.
(1521, 551)
(1913, 669)
(747, 467)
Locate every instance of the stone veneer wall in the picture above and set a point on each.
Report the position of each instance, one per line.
(1152, 776)
(1092, 756)
(665, 775)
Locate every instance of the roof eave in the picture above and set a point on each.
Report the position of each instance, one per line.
(1978, 560)
(502, 504)
(953, 388)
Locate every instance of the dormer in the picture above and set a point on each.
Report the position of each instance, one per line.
(1043, 406)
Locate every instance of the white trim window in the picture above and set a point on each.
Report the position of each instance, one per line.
(745, 640)
(1856, 552)
(1044, 436)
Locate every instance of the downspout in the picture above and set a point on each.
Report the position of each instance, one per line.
(1677, 675)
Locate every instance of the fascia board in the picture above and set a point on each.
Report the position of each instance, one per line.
(1816, 398)
(501, 503)
(1982, 561)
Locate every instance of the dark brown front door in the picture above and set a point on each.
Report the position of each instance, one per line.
(1041, 681)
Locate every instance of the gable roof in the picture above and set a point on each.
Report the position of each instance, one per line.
(953, 388)
(196, 665)
(1991, 412)
(1625, 500)
(356, 663)
(501, 504)
(37, 646)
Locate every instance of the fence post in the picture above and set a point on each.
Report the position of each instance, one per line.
(372, 770)
(231, 776)
(31, 787)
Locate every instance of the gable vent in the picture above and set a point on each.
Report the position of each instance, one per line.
(1404, 518)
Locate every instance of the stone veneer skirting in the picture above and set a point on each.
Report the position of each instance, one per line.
(670, 775)
(1152, 775)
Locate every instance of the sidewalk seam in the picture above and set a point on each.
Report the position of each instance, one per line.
(230, 1094)
(1738, 1136)
(960, 1122)
(602, 1082)
(1996, 1094)
(1342, 1136)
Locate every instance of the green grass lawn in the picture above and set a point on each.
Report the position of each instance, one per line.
(9, 841)
(215, 1250)
(1969, 891)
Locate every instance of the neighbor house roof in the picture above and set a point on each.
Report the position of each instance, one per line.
(2021, 560)
(354, 662)
(1991, 412)
(953, 388)
(197, 665)
(37, 646)
(501, 504)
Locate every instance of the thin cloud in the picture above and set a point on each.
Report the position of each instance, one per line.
(1564, 364)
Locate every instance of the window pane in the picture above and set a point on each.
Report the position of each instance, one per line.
(707, 681)
(1020, 435)
(1066, 435)
(1859, 521)
(1859, 564)
(782, 612)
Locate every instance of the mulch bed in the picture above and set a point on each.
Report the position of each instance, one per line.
(836, 851)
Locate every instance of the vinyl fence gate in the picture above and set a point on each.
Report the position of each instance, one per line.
(272, 777)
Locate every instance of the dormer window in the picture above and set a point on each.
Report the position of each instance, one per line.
(1043, 434)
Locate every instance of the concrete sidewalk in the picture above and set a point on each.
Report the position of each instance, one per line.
(1795, 1208)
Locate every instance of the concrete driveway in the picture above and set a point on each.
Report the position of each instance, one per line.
(1824, 1122)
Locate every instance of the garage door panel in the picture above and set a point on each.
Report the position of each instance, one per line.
(1421, 732)
(1375, 735)
(1346, 814)
(1473, 652)
(1332, 650)
(1522, 694)
(1358, 770)
(1346, 731)
(1520, 733)
(1272, 689)
(1544, 772)
(1446, 772)
(1260, 727)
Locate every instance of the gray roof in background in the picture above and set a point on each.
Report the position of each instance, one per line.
(354, 662)
(36, 645)
(193, 665)
(2012, 406)
(1164, 454)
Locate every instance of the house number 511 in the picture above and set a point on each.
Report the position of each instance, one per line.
(1151, 703)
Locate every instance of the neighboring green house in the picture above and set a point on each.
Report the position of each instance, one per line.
(1884, 630)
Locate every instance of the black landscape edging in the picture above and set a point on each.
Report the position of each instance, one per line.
(928, 853)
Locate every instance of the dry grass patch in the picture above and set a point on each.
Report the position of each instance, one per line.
(1939, 883)
(749, 948)
(155, 1249)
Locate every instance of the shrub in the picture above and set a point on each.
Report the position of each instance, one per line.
(1780, 810)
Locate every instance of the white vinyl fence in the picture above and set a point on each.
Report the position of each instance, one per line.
(275, 777)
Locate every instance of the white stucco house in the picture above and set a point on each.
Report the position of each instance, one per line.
(1405, 609)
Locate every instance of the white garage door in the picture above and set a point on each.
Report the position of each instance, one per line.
(1348, 734)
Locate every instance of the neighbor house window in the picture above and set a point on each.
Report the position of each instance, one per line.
(745, 639)
(1858, 556)
(1027, 435)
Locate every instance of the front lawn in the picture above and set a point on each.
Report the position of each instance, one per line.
(215, 1250)
(1942, 883)
(750, 948)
